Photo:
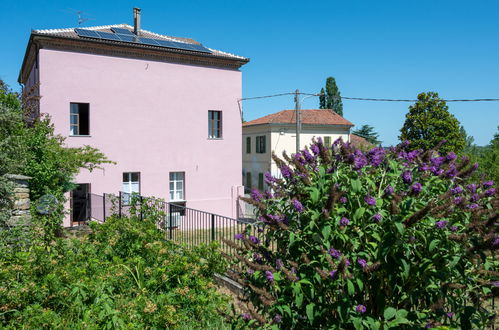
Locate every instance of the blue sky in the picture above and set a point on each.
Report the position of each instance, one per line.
(376, 49)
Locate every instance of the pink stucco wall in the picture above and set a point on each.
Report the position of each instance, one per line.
(150, 117)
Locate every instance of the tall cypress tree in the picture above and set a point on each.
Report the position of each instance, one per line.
(322, 99)
(332, 97)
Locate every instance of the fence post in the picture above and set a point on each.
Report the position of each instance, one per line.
(141, 208)
(104, 207)
(119, 204)
(170, 221)
(212, 227)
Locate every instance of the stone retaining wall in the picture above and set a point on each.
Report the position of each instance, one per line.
(21, 215)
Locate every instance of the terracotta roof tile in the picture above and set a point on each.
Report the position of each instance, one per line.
(359, 141)
(309, 117)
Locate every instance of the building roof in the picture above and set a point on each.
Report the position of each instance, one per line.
(359, 141)
(308, 117)
(70, 33)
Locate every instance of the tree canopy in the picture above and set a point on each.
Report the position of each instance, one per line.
(331, 97)
(368, 133)
(429, 122)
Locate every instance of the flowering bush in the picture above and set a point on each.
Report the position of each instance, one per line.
(382, 239)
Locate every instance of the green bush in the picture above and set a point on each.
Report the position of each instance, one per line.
(376, 240)
(122, 275)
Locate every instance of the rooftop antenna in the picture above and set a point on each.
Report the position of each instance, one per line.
(81, 15)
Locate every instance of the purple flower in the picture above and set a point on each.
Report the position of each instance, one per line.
(441, 224)
(286, 171)
(254, 240)
(495, 241)
(495, 284)
(359, 160)
(246, 316)
(376, 156)
(377, 217)
(257, 257)
(456, 190)
(297, 205)
(490, 192)
(256, 195)
(315, 149)
(389, 190)
(344, 221)
(406, 177)
(347, 262)
(277, 318)
(251, 271)
(335, 253)
(343, 199)
(269, 276)
(332, 273)
(416, 188)
(239, 236)
(276, 218)
(451, 156)
(488, 184)
(450, 315)
(412, 239)
(453, 228)
(308, 156)
(269, 179)
(361, 309)
(279, 264)
(472, 187)
(451, 172)
(474, 198)
(370, 200)
(472, 206)
(362, 263)
(436, 171)
(437, 161)
(300, 159)
(458, 200)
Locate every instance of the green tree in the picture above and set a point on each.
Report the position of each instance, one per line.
(368, 133)
(429, 122)
(331, 98)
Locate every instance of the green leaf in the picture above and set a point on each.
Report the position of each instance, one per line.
(360, 284)
(359, 213)
(310, 312)
(400, 227)
(401, 313)
(326, 231)
(299, 300)
(406, 268)
(433, 244)
(389, 313)
(314, 195)
(356, 185)
(351, 288)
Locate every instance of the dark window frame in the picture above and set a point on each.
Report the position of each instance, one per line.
(248, 144)
(79, 111)
(215, 131)
(261, 144)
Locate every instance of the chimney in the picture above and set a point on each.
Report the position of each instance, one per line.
(136, 21)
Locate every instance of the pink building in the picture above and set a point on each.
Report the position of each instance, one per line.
(163, 108)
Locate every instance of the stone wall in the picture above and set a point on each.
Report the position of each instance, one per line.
(21, 211)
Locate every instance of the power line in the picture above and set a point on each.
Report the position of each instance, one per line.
(371, 99)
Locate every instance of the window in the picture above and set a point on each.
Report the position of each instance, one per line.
(214, 124)
(248, 180)
(79, 119)
(177, 186)
(327, 141)
(131, 185)
(260, 181)
(260, 144)
(248, 145)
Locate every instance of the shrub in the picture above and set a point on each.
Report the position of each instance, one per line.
(382, 239)
(123, 275)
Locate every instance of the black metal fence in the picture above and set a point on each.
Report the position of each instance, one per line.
(179, 223)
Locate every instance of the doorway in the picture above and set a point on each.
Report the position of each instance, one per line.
(80, 203)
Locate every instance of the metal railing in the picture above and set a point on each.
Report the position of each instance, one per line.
(179, 223)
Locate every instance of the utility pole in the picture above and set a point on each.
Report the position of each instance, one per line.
(298, 119)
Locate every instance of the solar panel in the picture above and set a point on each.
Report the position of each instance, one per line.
(121, 35)
(86, 33)
(148, 41)
(128, 38)
(108, 36)
(121, 31)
